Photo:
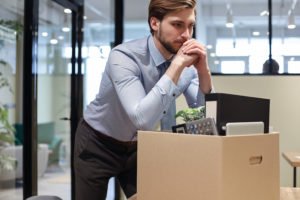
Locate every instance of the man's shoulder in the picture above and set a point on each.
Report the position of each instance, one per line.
(137, 41)
(136, 45)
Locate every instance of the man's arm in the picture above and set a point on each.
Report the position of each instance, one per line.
(194, 48)
(191, 53)
(205, 80)
(144, 109)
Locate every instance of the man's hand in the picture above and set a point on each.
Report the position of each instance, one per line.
(198, 52)
(197, 56)
(183, 59)
(191, 53)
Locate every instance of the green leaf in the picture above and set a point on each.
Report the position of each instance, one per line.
(7, 163)
(7, 137)
(190, 114)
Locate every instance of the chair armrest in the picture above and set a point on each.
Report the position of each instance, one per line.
(55, 147)
(56, 142)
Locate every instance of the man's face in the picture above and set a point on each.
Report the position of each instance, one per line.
(174, 30)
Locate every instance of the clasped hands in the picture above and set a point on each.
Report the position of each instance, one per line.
(192, 53)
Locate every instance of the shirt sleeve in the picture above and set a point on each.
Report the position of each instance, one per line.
(193, 94)
(144, 109)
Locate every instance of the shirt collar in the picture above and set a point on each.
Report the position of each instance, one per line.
(154, 52)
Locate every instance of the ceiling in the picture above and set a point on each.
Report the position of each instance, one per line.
(246, 13)
(243, 10)
(211, 16)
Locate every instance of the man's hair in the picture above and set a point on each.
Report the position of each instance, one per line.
(160, 8)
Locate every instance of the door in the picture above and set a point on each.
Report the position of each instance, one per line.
(51, 94)
(54, 71)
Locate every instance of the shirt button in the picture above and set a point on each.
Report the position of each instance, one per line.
(164, 112)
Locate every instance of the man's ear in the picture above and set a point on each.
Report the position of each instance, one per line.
(154, 23)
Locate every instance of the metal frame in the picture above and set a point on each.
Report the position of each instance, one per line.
(31, 8)
(30, 98)
(295, 177)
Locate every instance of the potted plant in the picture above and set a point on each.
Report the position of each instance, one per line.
(188, 115)
(7, 161)
(191, 114)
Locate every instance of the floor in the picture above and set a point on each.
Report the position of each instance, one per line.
(55, 181)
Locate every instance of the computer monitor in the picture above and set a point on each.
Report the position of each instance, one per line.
(227, 108)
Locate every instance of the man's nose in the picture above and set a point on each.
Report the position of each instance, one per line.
(186, 34)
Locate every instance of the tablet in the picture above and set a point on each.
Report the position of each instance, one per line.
(239, 128)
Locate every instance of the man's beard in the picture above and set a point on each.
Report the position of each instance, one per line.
(167, 45)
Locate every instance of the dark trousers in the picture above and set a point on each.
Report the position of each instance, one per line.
(97, 158)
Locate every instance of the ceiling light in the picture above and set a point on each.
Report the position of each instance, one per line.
(44, 34)
(209, 46)
(65, 28)
(229, 19)
(60, 37)
(212, 54)
(255, 33)
(53, 39)
(264, 13)
(291, 20)
(67, 11)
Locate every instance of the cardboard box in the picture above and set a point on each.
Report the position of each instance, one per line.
(199, 167)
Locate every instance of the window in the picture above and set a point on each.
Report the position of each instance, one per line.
(232, 67)
(294, 67)
(247, 56)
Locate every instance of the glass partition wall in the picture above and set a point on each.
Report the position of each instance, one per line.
(99, 31)
(236, 33)
(11, 44)
(38, 61)
(54, 94)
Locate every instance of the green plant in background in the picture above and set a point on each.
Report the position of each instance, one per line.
(10, 30)
(12, 24)
(190, 114)
(7, 163)
(3, 80)
(7, 137)
(6, 129)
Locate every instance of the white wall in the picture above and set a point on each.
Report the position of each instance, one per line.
(284, 93)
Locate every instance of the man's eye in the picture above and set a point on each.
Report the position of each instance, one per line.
(192, 25)
(177, 25)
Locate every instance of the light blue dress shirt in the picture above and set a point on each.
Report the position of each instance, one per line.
(133, 96)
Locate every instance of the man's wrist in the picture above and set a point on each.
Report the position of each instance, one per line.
(204, 71)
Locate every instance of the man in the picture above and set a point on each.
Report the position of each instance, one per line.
(135, 93)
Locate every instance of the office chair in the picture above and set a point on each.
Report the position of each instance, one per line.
(44, 197)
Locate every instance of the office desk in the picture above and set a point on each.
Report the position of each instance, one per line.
(293, 159)
(289, 193)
